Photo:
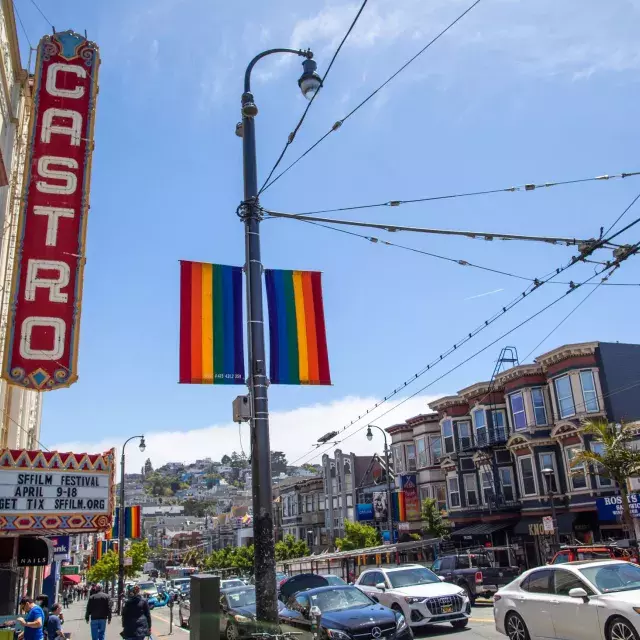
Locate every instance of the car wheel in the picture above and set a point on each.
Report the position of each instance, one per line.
(470, 595)
(459, 624)
(232, 632)
(396, 607)
(516, 628)
(621, 629)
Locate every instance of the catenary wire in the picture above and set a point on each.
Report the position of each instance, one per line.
(339, 123)
(535, 285)
(35, 4)
(293, 134)
(520, 188)
(611, 268)
(622, 215)
(24, 30)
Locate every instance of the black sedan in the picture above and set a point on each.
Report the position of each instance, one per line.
(238, 613)
(345, 612)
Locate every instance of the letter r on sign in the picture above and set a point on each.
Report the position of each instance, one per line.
(55, 285)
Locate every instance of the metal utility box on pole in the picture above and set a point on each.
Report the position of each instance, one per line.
(204, 603)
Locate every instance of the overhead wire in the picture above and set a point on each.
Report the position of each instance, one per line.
(339, 123)
(610, 268)
(35, 4)
(520, 188)
(293, 134)
(24, 30)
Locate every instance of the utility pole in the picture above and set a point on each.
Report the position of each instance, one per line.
(388, 474)
(250, 213)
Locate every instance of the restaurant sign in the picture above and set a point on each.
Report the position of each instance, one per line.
(48, 493)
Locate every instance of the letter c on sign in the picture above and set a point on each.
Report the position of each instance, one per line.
(56, 352)
(52, 77)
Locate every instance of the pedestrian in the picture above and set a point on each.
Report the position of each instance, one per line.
(43, 602)
(32, 620)
(99, 612)
(54, 624)
(136, 617)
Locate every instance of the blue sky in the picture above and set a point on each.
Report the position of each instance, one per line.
(516, 92)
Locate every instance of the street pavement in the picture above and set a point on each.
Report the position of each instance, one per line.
(481, 625)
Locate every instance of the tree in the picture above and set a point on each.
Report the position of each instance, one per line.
(278, 463)
(290, 548)
(434, 526)
(226, 460)
(106, 569)
(358, 536)
(615, 460)
(139, 554)
(148, 467)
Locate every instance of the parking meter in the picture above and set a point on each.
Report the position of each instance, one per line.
(315, 614)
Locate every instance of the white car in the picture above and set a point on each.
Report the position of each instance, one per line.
(584, 600)
(418, 594)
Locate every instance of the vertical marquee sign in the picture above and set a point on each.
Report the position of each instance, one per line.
(44, 322)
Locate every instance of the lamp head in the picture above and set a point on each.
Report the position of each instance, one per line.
(547, 472)
(143, 444)
(369, 434)
(309, 81)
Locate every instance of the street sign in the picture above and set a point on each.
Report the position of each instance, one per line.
(128, 561)
(547, 523)
(70, 570)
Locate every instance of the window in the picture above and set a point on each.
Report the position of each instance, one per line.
(539, 408)
(349, 500)
(603, 481)
(506, 482)
(321, 506)
(440, 496)
(435, 449)
(454, 491)
(447, 436)
(464, 435)
(589, 394)
(564, 581)
(424, 493)
(527, 476)
(486, 477)
(499, 428)
(397, 458)
(503, 456)
(566, 406)
(471, 489)
(480, 423)
(538, 582)
(548, 461)
(421, 447)
(448, 564)
(518, 414)
(578, 473)
(467, 464)
(411, 457)
(309, 503)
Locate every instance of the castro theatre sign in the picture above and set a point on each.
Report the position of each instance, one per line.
(42, 346)
(49, 493)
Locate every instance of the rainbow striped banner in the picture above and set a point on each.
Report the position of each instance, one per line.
(297, 333)
(132, 523)
(211, 346)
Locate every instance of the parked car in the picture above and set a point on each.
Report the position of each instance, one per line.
(178, 583)
(474, 572)
(418, 593)
(334, 581)
(345, 611)
(231, 583)
(148, 588)
(583, 600)
(238, 613)
(571, 553)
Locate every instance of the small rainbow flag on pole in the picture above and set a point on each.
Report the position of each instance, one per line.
(211, 347)
(132, 523)
(296, 328)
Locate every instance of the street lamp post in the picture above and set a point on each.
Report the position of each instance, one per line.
(250, 213)
(121, 522)
(548, 474)
(388, 474)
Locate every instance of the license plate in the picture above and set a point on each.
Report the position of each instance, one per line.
(447, 608)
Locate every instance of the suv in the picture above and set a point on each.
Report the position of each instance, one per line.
(571, 553)
(418, 593)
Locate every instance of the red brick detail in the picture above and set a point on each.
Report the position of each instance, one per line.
(524, 381)
(575, 362)
(456, 411)
(522, 452)
(569, 441)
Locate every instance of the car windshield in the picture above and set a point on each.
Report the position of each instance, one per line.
(334, 580)
(228, 584)
(147, 586)
(179, 583)
(242, 598)
(411, 577)
(340, 599)
(611, 578)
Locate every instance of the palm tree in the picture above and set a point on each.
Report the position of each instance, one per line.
(618, 460)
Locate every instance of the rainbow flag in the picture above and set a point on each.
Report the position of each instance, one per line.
(296, 328)
(132, 523)
(211, 346)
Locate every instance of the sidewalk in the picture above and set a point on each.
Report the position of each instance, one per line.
(75, 625)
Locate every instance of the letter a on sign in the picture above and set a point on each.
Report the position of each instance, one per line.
(44, 320)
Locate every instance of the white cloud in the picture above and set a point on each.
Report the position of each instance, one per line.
(293, 432)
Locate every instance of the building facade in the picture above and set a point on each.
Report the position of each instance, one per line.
(508, 445)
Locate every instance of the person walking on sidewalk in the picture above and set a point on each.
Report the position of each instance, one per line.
(54, 624)
(99, 611)
(136, 617)
(33, 621)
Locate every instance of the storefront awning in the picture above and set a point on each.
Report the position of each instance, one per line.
(482, 528)
(564, 520)
(72, 579)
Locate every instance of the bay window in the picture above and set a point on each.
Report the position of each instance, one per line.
(480, 423)
(548, 461)
(499, 425)
(454, 491)
(435, 449)
(566, 406)
(447, 436)
(464, 435)
(602, 480)
(589, 394)
(471, 489)
(440, 496)
(398, 461)
(411, 457)
(518, 414)
(506, 483)
(539, 408)
(486, 477)
(577, 473)
(421, 447)
(527, 476)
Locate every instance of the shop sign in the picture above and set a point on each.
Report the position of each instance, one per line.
(70, 570)
(610, 508)
(409, 487)
(46, 493)
(364, 511)
(61, 546)
(46, 295)
(33, 552)
(537, 529)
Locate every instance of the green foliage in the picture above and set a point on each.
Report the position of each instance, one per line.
(433, 525)
(290, 548)
(198, 508)
(358, 536)
(278, 463)
(239, 558)
(148, 467)
(139, 553)
(239, 461)
(106, 569)
(225, 460)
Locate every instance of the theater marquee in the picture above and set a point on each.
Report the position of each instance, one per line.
(44, 322)
(50, 493)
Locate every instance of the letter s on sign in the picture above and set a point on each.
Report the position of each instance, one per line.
(52, 77)
(45, 171)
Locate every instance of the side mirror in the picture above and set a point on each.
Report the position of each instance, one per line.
(441, 578)
(578, 592)
(381, 585)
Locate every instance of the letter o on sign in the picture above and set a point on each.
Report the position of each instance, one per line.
(59, 328)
